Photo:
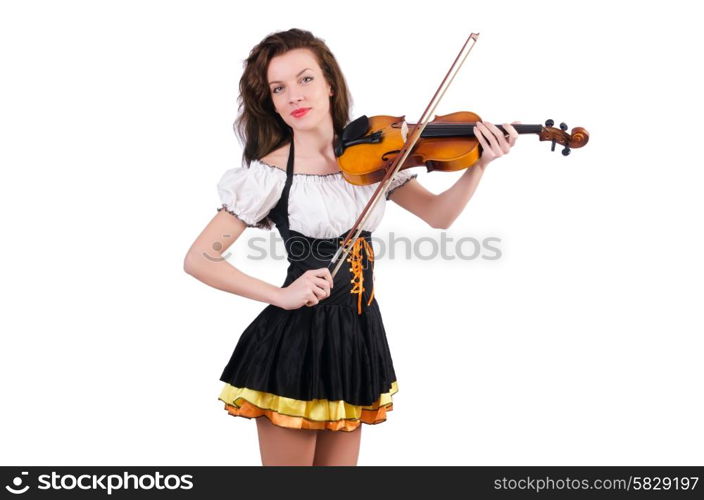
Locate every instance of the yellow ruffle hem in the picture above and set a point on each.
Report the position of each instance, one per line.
(317, 414)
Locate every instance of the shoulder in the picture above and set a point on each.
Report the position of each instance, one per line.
(251, 192)
(256, 176)
(277, 158)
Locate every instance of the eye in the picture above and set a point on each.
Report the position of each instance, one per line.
(274, 89)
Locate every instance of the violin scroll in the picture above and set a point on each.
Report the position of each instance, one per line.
(578, 138)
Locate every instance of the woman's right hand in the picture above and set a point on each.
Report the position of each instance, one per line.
(307, 290)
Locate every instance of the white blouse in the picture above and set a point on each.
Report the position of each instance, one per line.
(320, 206)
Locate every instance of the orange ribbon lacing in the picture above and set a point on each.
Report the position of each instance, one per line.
(357, 270)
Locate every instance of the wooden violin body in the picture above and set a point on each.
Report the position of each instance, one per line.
(371, 150)
(368, 146)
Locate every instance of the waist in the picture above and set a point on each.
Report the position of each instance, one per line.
(353, 282)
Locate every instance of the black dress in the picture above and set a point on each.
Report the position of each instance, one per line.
(326, 366)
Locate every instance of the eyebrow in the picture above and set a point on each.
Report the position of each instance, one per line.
(299, 74)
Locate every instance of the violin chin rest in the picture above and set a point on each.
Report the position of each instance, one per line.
(355, 129)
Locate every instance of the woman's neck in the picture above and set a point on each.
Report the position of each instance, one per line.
(315, 144)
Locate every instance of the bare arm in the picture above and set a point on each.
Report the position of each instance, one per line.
(439, 210)
(207, 265)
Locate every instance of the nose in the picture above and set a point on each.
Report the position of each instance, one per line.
(295, 97)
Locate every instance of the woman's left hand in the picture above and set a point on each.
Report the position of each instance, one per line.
(493, 141)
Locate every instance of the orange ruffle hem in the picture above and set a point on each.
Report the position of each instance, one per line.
(319, 414)
(249, 410)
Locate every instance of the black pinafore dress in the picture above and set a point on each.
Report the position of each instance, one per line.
(323, 367)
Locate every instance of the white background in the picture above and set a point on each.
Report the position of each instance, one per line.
(581, 345)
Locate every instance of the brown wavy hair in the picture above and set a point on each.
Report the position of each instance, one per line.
(258, 126)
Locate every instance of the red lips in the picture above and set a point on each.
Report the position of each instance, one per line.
(297, 113)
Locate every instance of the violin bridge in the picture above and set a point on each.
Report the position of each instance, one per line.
(404, 130)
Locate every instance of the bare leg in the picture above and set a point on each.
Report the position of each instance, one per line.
(335, 448)
(283, 446)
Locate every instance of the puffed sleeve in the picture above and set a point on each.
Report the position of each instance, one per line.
(249, 193)
(401, 178)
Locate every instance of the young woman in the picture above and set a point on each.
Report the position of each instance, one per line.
(315, 363)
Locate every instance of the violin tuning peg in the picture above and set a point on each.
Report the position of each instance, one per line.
(563, 126)
(553, 144)
(549, 123)
(566, 151)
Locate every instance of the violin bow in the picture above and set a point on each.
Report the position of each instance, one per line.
(410, 142)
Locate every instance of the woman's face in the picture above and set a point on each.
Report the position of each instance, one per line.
(296, 82)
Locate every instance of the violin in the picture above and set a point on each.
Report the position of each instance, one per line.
(367, 147)
(371, 150)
